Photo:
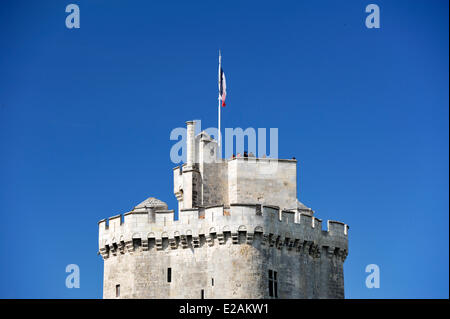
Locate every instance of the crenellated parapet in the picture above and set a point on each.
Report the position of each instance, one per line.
(154, 228)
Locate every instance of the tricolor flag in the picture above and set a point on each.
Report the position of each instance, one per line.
(222, 86)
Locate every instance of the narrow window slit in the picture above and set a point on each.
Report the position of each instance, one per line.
(273, 284)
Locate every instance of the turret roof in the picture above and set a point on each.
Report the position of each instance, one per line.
(152, 202)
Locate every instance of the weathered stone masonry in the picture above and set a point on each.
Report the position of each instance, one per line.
(236, 223)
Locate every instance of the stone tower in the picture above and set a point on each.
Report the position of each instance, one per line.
(241, 233)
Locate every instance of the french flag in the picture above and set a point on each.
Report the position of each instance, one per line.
(222, 87)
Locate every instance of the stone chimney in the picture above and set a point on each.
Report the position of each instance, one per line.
(191, 181)
(190, 144)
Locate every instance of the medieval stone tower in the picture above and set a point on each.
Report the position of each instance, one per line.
(241, 233)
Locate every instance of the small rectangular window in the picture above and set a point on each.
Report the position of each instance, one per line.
(212, 281)
(203, 294)
(169, 274)
(273, 284)
(117, 290)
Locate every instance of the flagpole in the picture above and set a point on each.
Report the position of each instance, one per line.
(220, 100)
(219, 108)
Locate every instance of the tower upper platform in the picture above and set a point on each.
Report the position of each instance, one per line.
(217, 197)
(206, 180)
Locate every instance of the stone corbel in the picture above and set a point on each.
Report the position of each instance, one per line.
(159, 244)
(221, 238)
(113, 250)
(172, 243)
(104, 252)
(121, 247)
(342, 254)
(249, 238)
(291, 244)
(271, 241)
(195, 242)
(265, 240)
(210, 240)
(279, 242)
(315, 251)
(306, 247)
(129, 246)
(144, 244)
(330, 252)
(299, 245)
(235, 238)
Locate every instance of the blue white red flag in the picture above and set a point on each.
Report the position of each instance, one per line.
(222, 87)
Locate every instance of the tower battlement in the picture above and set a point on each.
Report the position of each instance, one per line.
(241, 232)
(215, 225)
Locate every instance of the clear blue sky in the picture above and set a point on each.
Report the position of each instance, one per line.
(85, 118)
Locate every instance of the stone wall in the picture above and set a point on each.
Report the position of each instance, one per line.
(213, 181)
(239, 180)
(228, 271)
(265, 181)
(233, 246)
